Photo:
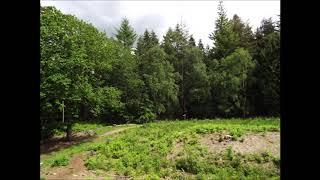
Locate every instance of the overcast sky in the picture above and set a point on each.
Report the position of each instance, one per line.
(198, 16)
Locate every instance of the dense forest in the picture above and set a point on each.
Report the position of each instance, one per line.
(87, 76)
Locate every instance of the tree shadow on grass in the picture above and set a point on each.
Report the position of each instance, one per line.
(58, 143)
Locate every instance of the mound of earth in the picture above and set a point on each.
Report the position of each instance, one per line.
(252, 143)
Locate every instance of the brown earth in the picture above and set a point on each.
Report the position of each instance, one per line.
(252, 143)
(177, 148)
(77, 170)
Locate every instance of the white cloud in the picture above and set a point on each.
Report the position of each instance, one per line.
(199, 16)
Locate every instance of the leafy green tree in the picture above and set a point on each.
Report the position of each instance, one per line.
(159, 89)
(267, 26)
(159, 78)
(224, 39)
(196, 84)
(175, 44)
(200, 45)
(71, 52)
(92, 76)
(265, 88)
(154, 38)
(243, 32)
(147, 41)
(228, 77)
(187, 60)
(126, 34)
(125, 76)
(191, 41)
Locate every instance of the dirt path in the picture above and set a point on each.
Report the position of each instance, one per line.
(117, 131)
(76, 168)
(58, 143)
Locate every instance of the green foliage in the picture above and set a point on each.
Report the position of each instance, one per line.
(60, 161)
(276, 161)
(265, 86)
(229, 153)
(224, 38)
(158, 77)
(93, 77)
(229, 78)
(143, 152)
(96, 162)
(188, 164)
(74, 59)
(125, 34)
(95, 145)
(146, 115)
(146, 42)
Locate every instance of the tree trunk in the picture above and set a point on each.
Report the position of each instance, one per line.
(244, 97)
(69, 127)
(69, 132)
(182, 106)
(244, 107)
(84, 112)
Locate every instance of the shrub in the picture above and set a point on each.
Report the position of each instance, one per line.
(266, 156)
(276, 162)
(96, 162)
(152, 176)
(229, 153)
(188, 164)
(60, 161)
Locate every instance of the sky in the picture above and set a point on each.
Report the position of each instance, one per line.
(198, 16)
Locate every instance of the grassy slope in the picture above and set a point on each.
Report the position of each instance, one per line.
(142, 152)
(62, 157)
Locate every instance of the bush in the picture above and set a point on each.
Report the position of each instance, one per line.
(188, 164)
(96, 162)
(49, 130)
(60, 161)
(276, 162)
(229, 153)
(266, 156)
(236, 162)
(152, 177)
(146, 115)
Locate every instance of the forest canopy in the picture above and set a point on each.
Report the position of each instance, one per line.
(93, 77)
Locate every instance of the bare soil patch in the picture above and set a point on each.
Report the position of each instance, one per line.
(177, 148)
(252, 143)
(75, 170)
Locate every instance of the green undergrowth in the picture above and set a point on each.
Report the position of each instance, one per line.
(84, 126)
(62, 157)
(142, 153)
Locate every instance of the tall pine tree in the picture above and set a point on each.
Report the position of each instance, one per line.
(126, 34)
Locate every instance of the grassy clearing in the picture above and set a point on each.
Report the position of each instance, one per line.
(62, 157)
(142, 152)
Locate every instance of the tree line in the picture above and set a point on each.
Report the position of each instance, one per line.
(131, 78)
